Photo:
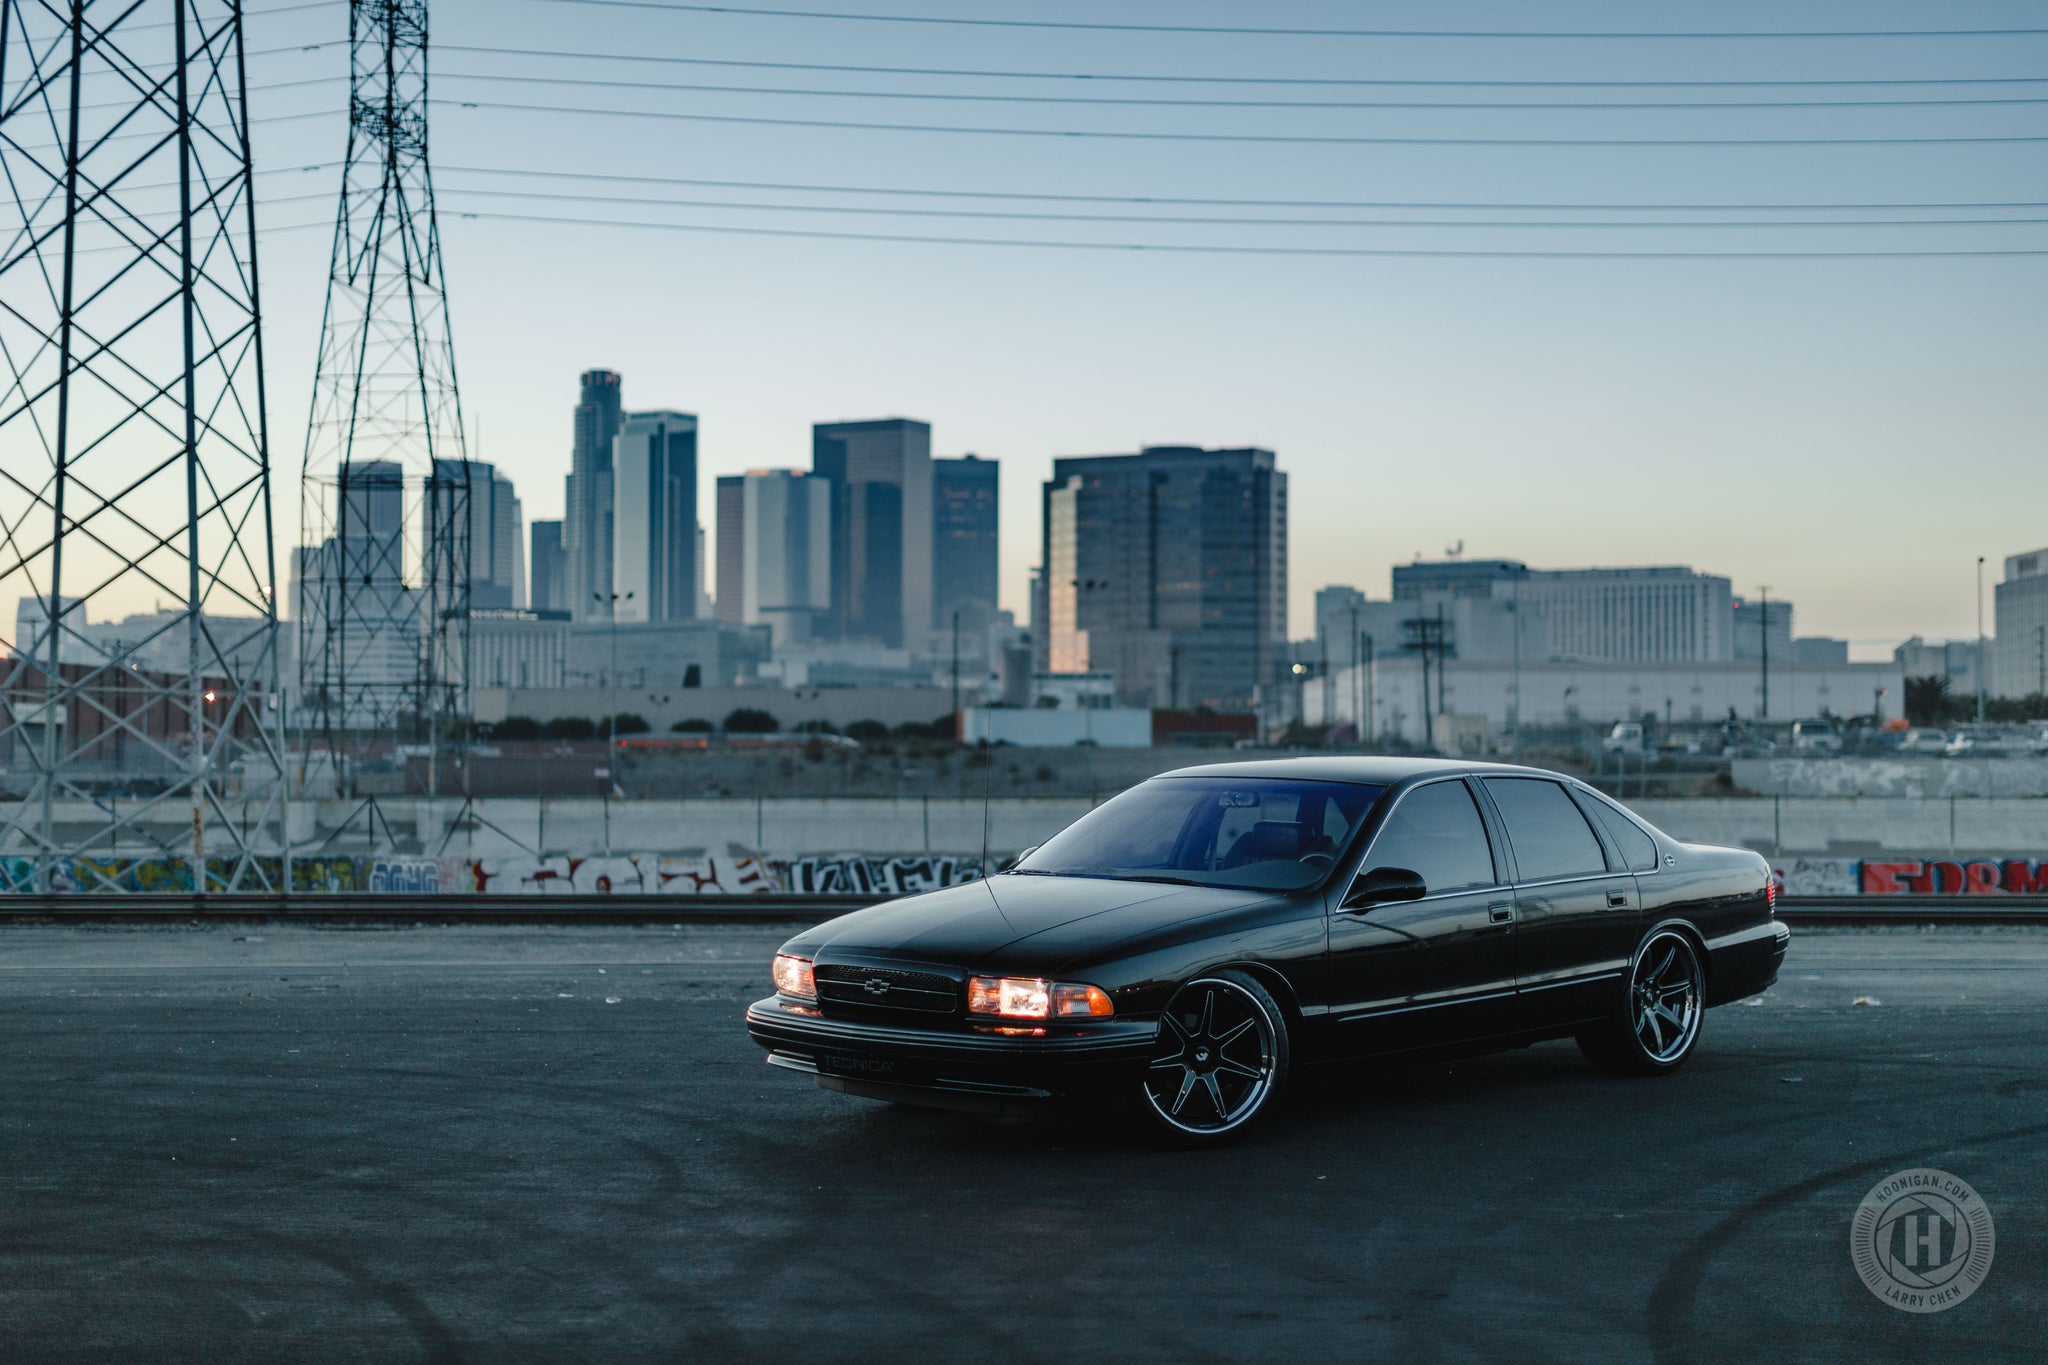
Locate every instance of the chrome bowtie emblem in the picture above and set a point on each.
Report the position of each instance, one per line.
(875, 985)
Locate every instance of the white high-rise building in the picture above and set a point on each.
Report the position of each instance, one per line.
(786, 556)
(654, 517)
(2019, 663)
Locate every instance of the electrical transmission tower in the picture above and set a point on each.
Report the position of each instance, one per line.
(384, 573)
(140, 721)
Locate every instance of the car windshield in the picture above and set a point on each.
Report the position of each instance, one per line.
(1251, 833)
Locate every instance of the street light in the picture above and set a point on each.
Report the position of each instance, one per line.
(610, 601)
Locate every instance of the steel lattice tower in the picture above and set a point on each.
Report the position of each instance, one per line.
(383, 579)
(134, 458)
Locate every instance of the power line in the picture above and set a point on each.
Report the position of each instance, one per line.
(1216, 80)
(1185, 248)
(649, 201)
(758, 13)
(1214, 202)
(1298, 138)
(978, 98)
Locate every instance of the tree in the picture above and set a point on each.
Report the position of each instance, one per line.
(568, 727)
(867, 730)
(626, 723)
(746, 720)
(1928, 701)
(814, 727)
(692, 726)
(516, 727)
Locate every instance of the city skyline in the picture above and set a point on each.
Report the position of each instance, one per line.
(1779, 421)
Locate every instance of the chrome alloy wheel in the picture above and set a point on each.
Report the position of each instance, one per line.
(1666, 997)
(1219, 1054)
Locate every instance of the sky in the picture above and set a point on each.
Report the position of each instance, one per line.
(1852, 431)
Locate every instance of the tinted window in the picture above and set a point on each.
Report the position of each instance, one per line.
(1436, 831)
(1638, 849)
(1549, 836)
(1243, 832)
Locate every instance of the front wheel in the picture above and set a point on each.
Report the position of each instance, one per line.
(1221, 1060)
(1660, 1018)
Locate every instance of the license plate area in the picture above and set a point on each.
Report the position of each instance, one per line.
(885, 1070)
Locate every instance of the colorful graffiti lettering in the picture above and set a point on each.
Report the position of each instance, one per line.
(1955, 877)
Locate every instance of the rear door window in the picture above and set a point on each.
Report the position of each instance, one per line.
(1638, 849)
(1550, 837)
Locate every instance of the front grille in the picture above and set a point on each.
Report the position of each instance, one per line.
(844, 992)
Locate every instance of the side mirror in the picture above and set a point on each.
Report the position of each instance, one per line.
(1383, 885)
(1021, 857)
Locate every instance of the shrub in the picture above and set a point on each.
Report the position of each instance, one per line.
(746, 720)
(814, 727)
(516, 727)
(692, 726)
(568, 727)
(866, 730)
(626, 723)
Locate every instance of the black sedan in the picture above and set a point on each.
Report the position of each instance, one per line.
(1186, 945)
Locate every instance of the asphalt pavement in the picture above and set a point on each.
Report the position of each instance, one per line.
(520, 1144)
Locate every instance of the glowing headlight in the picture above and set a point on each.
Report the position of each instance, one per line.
(793, 976)
(1023, 997)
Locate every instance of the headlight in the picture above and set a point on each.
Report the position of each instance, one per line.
(793, 976)
(1024, 997)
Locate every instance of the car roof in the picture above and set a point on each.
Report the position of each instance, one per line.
(1380, 770)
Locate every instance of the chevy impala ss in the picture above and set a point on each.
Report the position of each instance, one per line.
(1184, 947)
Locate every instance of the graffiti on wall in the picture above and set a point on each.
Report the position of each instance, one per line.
(637, 875)
(1955, 877)
(1815, 876)
(858, 876)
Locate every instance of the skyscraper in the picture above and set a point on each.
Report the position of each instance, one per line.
(730, 524)
(786, 519)
(881, 478)
(497, 555)
(654, 526)
(587, 509)
(965, 501)
(549, 568)
(1168, 568)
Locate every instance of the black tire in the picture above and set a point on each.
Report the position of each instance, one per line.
(1658, 1023)
(1221, 1063)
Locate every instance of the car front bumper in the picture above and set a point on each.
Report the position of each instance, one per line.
(978, 1070)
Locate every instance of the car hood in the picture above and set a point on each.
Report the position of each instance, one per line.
(967, 925)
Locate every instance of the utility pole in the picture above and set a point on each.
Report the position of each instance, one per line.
(1764, 628)
(1357, 721)
(956, 668)
(611, 746)
(1371, 702)
(1515, 710)
(2041, 659)
(1442, 657)
(1979, 670)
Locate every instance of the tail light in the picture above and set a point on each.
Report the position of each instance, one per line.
(1771, 895)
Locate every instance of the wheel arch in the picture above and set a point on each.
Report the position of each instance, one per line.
(1691, 933)
(1275, 982)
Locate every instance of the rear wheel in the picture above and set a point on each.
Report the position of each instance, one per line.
(1221, 1060)
(1659, 1021)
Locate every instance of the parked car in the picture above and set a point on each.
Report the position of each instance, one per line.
(1918, 741)
(1184, 947)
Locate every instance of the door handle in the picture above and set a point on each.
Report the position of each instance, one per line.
(1500, 912)
(1617, 900)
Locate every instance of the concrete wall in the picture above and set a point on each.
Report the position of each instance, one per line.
(794, 827)
(1918, 776)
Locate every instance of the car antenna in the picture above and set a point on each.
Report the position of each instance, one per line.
(987, 782)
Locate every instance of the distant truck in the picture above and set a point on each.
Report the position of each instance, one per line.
(1624, 738)
(1816, 737)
